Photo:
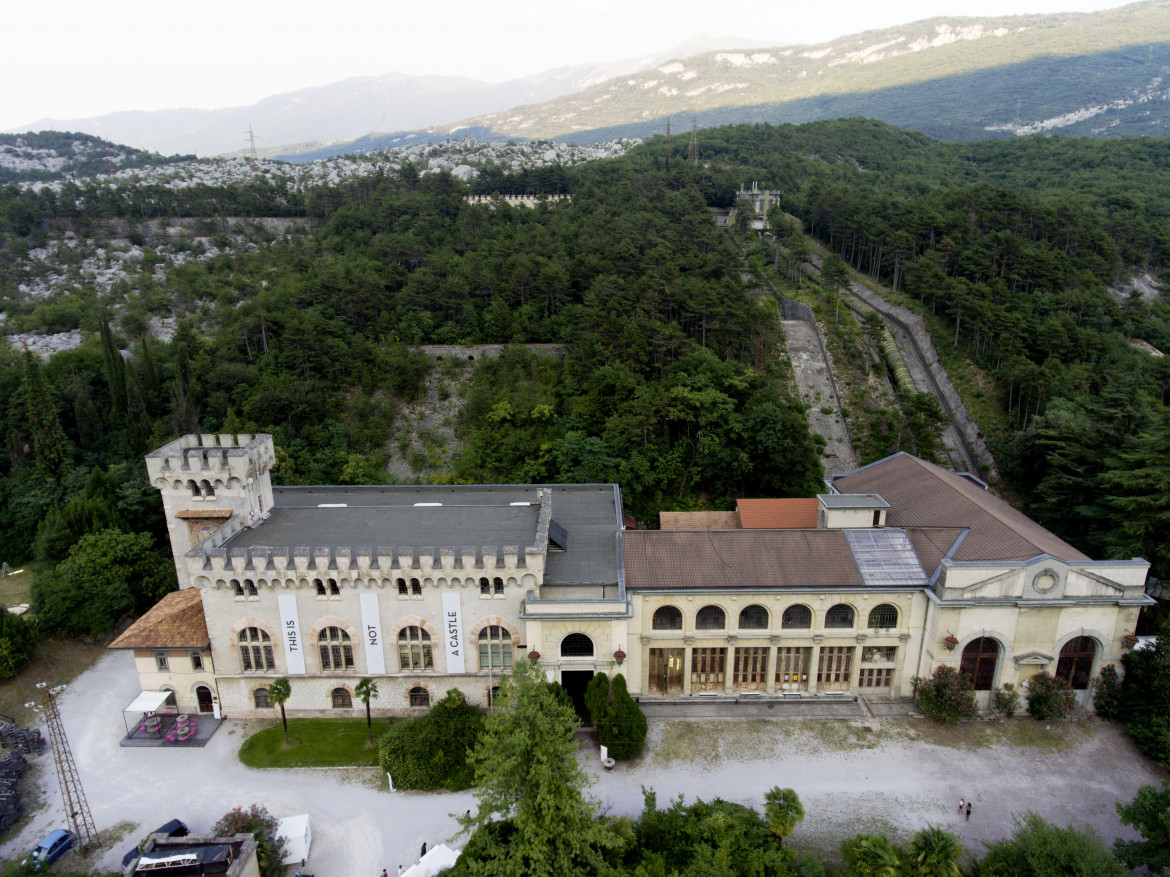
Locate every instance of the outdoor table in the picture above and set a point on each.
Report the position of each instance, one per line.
(182, 719)
(152, 724)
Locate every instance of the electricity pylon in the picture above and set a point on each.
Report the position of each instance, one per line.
(73, 796)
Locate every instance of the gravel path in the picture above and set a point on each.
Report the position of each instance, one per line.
(901, 777)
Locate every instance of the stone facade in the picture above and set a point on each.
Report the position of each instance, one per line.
(405, 603)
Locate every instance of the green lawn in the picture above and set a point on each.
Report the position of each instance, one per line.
(314, 743)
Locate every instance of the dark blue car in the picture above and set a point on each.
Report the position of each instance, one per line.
(50, 849)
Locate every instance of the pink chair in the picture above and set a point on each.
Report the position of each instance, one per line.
(171, 736)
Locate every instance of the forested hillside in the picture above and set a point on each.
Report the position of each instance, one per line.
(1008, 248)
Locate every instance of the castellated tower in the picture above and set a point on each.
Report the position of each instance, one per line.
(206, 482)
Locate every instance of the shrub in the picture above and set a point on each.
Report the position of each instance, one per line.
(624, 724)
(431, 752)
(597, 697)
(947, 696)
(1007, 700)
(1050, 697)
(1107, 692)
(262, 825)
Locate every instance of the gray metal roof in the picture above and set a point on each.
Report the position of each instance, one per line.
(403, 518)
(852, 501)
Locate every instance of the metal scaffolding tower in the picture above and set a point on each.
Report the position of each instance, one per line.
(73, 796)
(693, 154)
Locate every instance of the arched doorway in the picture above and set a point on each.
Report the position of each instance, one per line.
(574, 680)
(980, 658)
(203, 697)
(1076, 661)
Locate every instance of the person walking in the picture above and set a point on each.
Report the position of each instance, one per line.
(961, 803)
(968, 811)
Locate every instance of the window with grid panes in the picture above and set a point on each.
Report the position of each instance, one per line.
(751, 668)
(792, 664)
(414, 649)
(754, 617)
(883, 617)
(335, 649)
(710, 618)
(708, 668)
(495, 648)
(256, 651)
(667, 618)
(835, 667)
(840, 616)
(796, 617)
(342, 700)
(875, 677)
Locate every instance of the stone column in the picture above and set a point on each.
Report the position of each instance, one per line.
(689, 642)
(773, 666)
(814, 662)
(729, 667)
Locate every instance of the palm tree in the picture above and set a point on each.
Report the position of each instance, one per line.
(783, 811)
(934, 852)
(870, 855)
(280, 691)
(366, 690)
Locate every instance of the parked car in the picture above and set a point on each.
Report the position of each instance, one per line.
(174, 828)
(52, 847)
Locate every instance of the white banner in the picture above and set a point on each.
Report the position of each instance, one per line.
(453, 633)
(290, 626)
(375, 657)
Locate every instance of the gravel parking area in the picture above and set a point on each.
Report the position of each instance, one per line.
(900, 776)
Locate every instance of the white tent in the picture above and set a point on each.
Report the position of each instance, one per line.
(147, 702)
(298, 838)
(438, 858)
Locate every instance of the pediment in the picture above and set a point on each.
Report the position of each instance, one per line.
(1035, 658)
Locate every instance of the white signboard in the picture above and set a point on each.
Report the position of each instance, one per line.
(372, 627)
(453, 633)
(290, 632)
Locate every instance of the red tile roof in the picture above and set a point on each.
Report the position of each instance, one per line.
(778, 514)
(174, 622)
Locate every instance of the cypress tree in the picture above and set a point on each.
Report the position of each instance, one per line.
(115, 368)
(51, 451)
(624, 722)
(597, 700)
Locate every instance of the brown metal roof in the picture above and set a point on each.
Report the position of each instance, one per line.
(924, 495)
(698, 520)
(778, 514)
(174, 622)
(931, 544)
(203, 514)
(676, 560)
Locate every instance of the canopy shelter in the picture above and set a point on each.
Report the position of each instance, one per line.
(439, 858)
(146, 702)
(298, 838)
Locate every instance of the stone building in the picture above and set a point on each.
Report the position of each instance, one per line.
(899, 567)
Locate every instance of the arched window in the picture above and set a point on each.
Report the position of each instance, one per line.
(485, 587)
(250, 588)
(335, 649)
(796, 617)
(260, 699)
(420, 697)
(754, 617)
(979, 660)
(1076, 661)
(495, 648)
(414, 649)
(883, 616)
(320, 586)
(710, 618)
(576, 645)
(498, 585)
(208, 490)
(256, 651)
(840, 616)
(334, 590)
(667, 618)
(193, 487)
(402, 592)
(415, 588)
(341, 699)
(237, 588)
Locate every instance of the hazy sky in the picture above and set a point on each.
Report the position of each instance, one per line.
(71, 59)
